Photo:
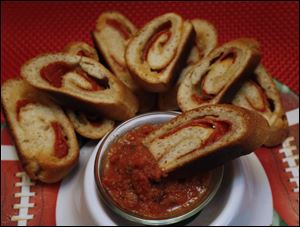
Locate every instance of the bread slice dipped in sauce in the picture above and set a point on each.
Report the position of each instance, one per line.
(211, 134)
(153, 170)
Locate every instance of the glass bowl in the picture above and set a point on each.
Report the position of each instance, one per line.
(148, 118)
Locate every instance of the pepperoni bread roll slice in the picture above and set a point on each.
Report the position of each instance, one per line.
(159, 50)
(113, 30)
(211, 134)
(44, 137)
(206, 40)
(259, 93)
(87, 125)
(82, 84)
(216, 77)
(81, 49)
(112, 33)
(92, 127)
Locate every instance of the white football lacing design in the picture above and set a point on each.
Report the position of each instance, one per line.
(290, 159)
(24, 196)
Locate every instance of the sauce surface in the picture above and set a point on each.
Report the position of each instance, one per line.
(135, 182)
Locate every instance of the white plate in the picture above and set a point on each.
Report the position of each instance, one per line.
(244, 197)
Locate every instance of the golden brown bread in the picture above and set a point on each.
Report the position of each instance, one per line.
(44, 137)
(112, 33)
(216, 77)
(259, 94)
(82, 84)
(158, 51)
(90, 127)
(217, 133)
(113, 30)
(87, 125)
(81, 49)
(205, 41)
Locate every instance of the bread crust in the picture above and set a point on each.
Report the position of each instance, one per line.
(159, 79)
(244, 137)
(244, 56)
(117, 102)
(38, 160)
(270, 99)
(81, 49)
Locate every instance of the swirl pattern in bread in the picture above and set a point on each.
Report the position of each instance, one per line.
(205, 41)
(216, 77)
(44, 137)
(158, 51)
(113, 30)
(81, 83)
(112, 33)
(217, 133)
(259, 94)
(87, 125)
(81, 49)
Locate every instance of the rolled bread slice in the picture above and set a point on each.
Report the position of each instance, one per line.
(44, 137)
(159, 50)
(210, 135)
(82, 84)
(260, 94)
(87, 125)
(111, 35)
(112, 32)
(92, 127)
(81, 49)
(216, 77)
(205, 41)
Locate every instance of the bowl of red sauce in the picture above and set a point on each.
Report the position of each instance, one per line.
(130, 182)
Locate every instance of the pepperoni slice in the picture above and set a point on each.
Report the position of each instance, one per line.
(220, 129)
(60, 145)
(54, 73)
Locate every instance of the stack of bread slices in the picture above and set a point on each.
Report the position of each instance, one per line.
(171, 62)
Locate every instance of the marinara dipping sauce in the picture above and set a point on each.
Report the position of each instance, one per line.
(134, 181)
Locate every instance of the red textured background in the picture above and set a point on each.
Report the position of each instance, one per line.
(31, 28)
